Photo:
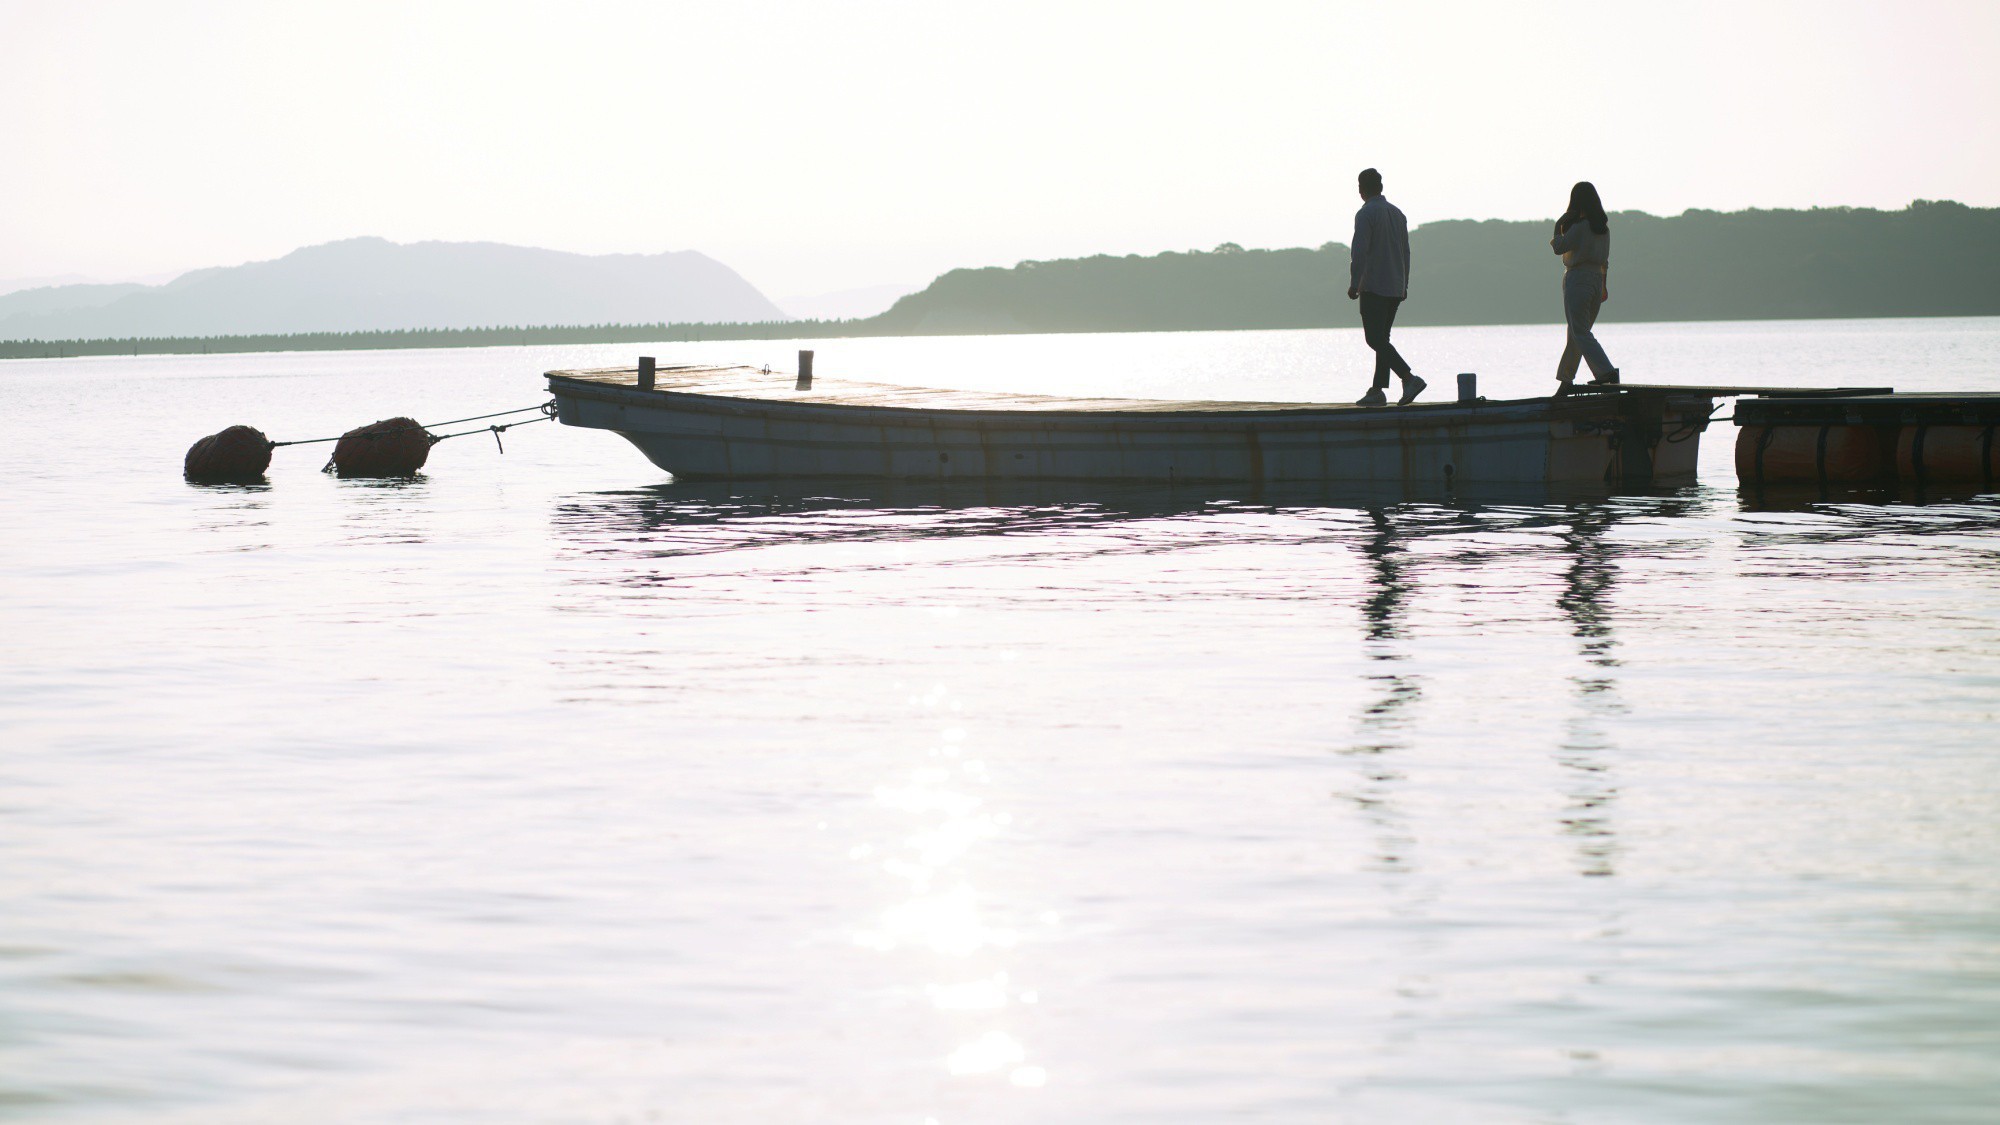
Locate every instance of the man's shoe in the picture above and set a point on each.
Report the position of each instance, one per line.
(1608, 379)
(1374, 397)
(1412, 387)
(1564, 388)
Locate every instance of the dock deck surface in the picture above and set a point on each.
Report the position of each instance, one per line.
(779, 386)
(1720, 391)
(768, 385)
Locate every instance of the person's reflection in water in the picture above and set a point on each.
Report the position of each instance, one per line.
(1383, 724)
(1586, 747)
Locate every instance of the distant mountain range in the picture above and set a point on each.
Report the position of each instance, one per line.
(372, 284)
(15, 284)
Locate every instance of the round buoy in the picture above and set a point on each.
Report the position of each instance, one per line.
(237, 455)
(393, 447)
(1832, 454)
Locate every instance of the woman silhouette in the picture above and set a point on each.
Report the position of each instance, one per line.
(1583, 238)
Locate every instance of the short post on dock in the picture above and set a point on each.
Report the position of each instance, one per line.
(805, 371)
(645, 373)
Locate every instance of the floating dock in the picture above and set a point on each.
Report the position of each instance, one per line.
(1867, 437)
(724, 422)
(721, 422)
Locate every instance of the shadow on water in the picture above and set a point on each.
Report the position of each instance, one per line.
(1405, 543)
(1382, 527)
(1387, 719)
(1383, 725)
(384, 484)
(1802, 515)
(387, 510)
(671, 518)
(1587, 750)
(226, 487)
(1814, 497)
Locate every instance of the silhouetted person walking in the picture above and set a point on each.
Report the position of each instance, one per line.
(1583, 238)
(1380, 279)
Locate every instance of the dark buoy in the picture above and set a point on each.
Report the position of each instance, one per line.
(393, 447)
(237, 455)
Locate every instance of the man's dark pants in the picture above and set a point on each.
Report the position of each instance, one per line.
(1378, 313)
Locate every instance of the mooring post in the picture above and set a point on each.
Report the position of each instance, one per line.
(1468, 386)
(1640, 425)
(645, 373)
(805, 371)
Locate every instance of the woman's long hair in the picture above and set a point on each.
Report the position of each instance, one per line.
(1584, 206)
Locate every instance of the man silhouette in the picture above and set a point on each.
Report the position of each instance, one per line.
(1380, 279)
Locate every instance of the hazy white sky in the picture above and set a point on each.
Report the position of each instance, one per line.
(818, 146)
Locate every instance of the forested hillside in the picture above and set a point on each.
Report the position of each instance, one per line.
(1930, 259)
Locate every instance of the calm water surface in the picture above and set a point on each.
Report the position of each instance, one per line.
(542, 789)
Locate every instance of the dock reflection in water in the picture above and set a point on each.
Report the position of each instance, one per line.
(1078, 804)
(517, 792)
(1426, 652)
(1384, 721)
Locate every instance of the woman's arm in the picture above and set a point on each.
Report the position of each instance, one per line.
(1358, 252)
(1568, 239)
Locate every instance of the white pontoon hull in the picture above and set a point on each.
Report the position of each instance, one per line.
(1617, 438)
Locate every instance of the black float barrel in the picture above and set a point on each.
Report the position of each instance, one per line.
(393, 447)
(237, 455)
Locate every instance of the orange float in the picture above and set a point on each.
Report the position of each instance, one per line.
(1836, 454)
(1925, 452)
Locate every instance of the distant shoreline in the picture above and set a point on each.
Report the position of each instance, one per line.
(399, 339)
(410, 339)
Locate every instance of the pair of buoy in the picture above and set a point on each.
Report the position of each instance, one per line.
(393, 447)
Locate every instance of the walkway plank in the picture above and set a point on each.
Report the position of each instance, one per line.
(780, 386)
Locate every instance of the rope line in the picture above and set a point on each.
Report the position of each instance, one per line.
(496, 431)
(543, 407)
(1691, 427)
(547, 409)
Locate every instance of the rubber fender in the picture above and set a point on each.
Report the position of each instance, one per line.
(237, 455)
(393, 447)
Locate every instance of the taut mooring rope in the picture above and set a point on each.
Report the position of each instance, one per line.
(547, 409)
